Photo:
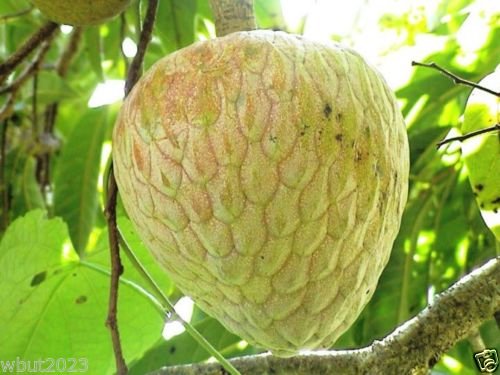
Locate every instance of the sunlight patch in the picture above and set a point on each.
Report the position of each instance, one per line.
(67, 253)
(184, 308)
(108, 92)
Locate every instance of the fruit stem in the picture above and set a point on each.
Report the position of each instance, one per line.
(169, 309)
(232, 16)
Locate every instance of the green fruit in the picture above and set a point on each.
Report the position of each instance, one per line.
(81, 12)
(482, 152)
(268, 175)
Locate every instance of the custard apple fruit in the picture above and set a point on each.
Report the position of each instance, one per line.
(81, 12)
(268, 174)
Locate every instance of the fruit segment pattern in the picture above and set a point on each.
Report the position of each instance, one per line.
(268, 174)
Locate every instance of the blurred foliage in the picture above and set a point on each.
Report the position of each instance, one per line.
(63, 297)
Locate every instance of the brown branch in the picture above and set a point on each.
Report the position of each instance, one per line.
(456, 79)
(116, 272)
(50, 113)
(12, 89)
(415, 345)
(69, 52)
(135, 69)
(232, 16)
(44, 33)
(34, 103)
(62, 67)
(475, 133)
(133, 75)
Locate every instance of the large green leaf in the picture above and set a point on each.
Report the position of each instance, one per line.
(56, 304)
(50, 88)
(93, 46)
(11, 7)
(26, 191)
(268, 14)
(177, 23)
(184, 349)
(75, 191)
(135, 244)
(482, 152)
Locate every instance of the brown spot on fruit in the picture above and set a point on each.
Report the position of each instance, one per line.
(139, 160)
(327, 111)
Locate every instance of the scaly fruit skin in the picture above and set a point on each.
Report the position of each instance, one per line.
(268, 175)
(81, 12)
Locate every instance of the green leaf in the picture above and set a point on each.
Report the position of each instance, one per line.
(9, 7)
(99, 254)
(178, 23)
(27, 194)
(184, 349)
(57, 303)
(75, 190)
(50, 88)
(268, 14)
(158, 274)
(481, 153)
(93, 46)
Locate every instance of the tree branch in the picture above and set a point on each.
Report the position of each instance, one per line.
(135, 69)
(415, 345)
(232, 16)
(16, 14)
(462, 138)
(116, 272)
(33, 42)
(46, 138)
(456, 79)
(112, 194)
(8, 107)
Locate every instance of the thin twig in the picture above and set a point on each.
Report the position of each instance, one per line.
(116, 272)
(7, 109)
(456, 79)
(62, 67)
(16, 14)
(135, 69)
(69, 52)
(3, 182)
(112, 193)
(34, 103)
(171, 314)
(50, 113)
(462, 138)
(44, 33)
